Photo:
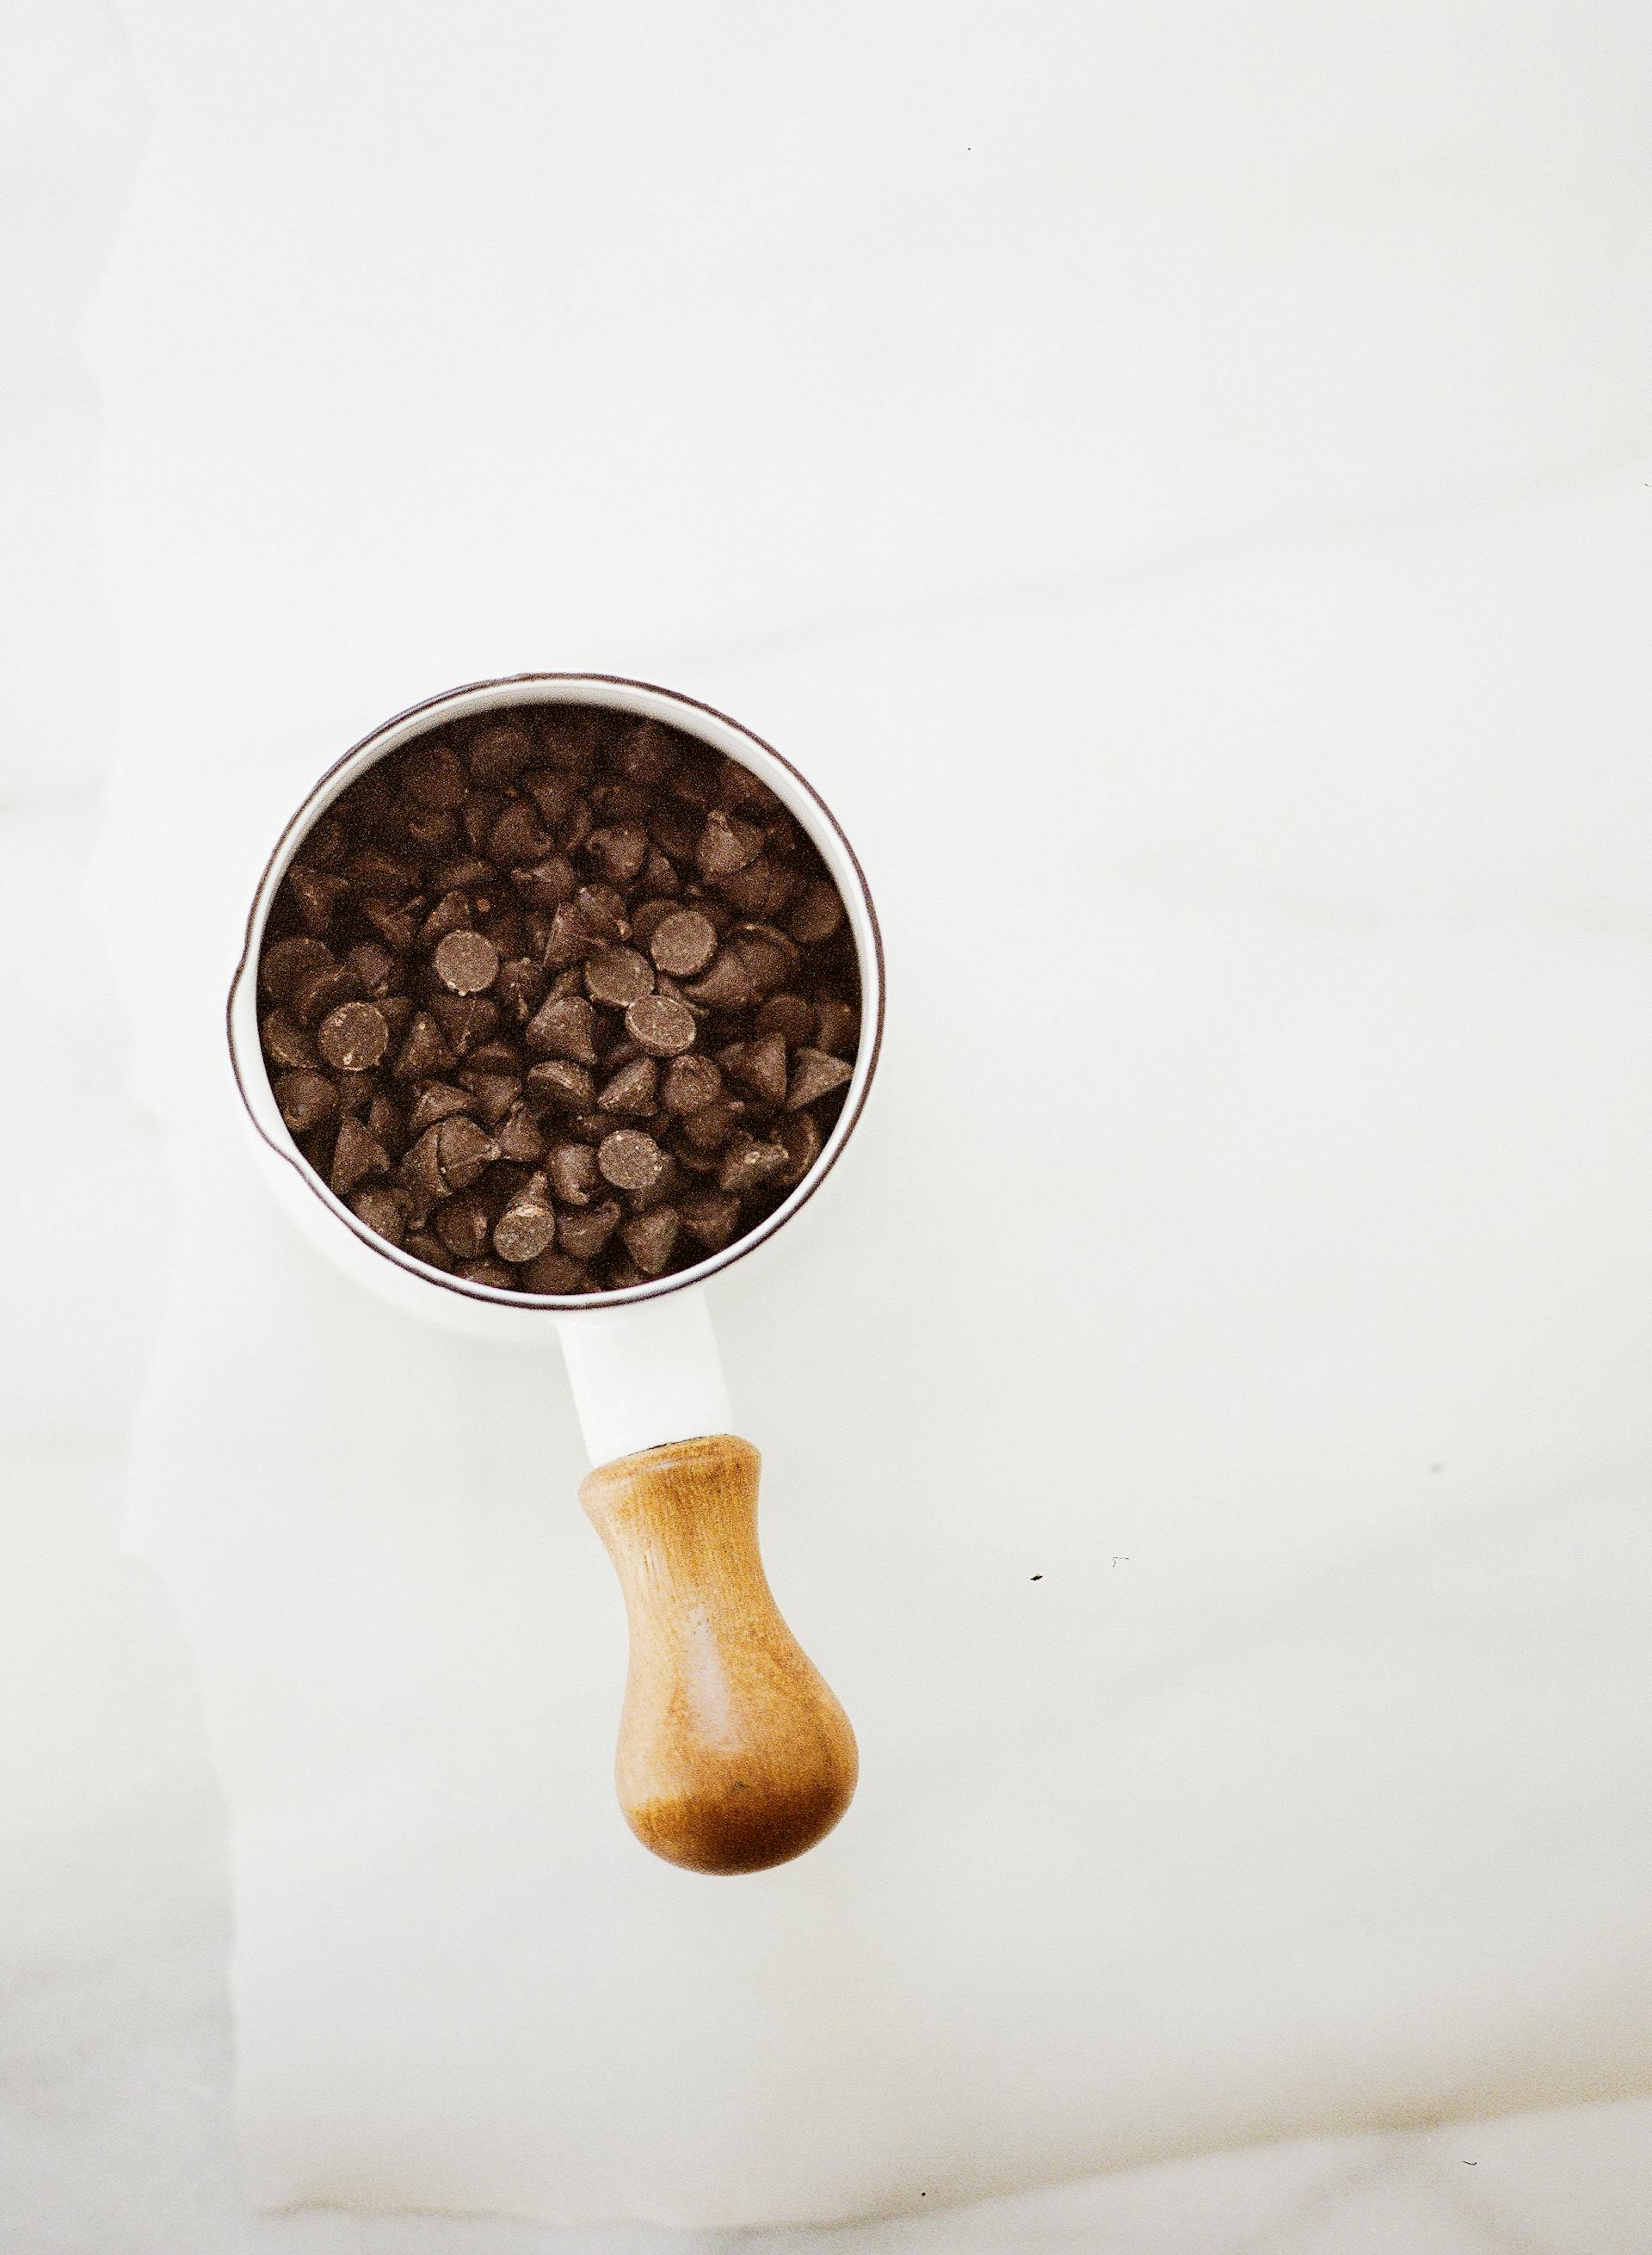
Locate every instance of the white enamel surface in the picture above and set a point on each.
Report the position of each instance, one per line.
(645, 1373)
(1230, 424)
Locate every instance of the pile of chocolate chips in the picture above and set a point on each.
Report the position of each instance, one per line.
(558, 999)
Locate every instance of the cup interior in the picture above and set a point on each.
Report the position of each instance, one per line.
(644, 700)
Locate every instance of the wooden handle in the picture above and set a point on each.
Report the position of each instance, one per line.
(732, 1752)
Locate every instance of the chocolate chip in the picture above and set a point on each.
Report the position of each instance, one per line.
(382, 1208)
(438, 1101)
(467, 1021)
(572, 1172)
(683, 942)
(323, 990)
(552, 793)
(620, 850)
(816, 913)
(354, 1037)
(528, 1226)
(434, 775)
(285, 962)
(498, 751)
(837, 1027)
(709, 1128)
(651, 1239)
(799, 1135)
(464, 1225)
(727, 986)
(426, 1246)
(496, 1095)
(814, 1075)
(314, 896)
(518, 1136)
(690, 1084)
(646, 754)
(632, 1089)
(662, 1025)
(467, 962)
(396, 923)
(305, 1099)
(618, 976)
(566, 1026)
(760, 1066)
(488, 1272)
(748, 1165)
(557, 1276)
(584, 1233)
(286, 1043)
(519, 989)
(547, 883)
(518, 838)
(710, 1216)
(630, 1160)
(570, 939)
(560, 1084)
(790, 1016)
(726, 843)
(449, 1157)
(602, 912)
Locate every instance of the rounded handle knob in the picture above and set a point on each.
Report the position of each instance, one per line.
(734, 1754)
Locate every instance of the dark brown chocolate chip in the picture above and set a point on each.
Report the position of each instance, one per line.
(760, 1066)
(496, 1095)
(710, 1216)
(286, 1044)
(837, 1027)
(285, 962)
(528, 1226)
(498, 751)
(547, 883)
(382, 1208)
(305, 1099)
(467, 1021)
(618, 976)
(552, 791)
(518, 1136)
(393, 875)
(467, 962)
(438, 1101)
(662, 1025)
(560, 1084)
(566, 1026)
(749, 1163)
(651, 1239)
(789, 1015)
(760, 889)
(315, 896)
(633, 1088)
(619, 850)
(325, 843)
(557, 1276)
(646, 754)
(375, 966)
(395, 924)
(424, 1245)
(683, 942)
(799, 1137)
(814, 1075)
(451, 913)
(518, 838)
(603, 911)
(630, 1160)
(727, 986)
(569, 940)
(816, 913)
(726, 843)
(690, 1084)
(584, 1233)
(450, 1156)
(433, 774)
(572, 1172)
(709, 1128)
(463, 1225)
(322, 991)
(488, 1272)
(354, 1037)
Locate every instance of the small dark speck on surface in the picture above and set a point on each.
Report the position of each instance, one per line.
(1037, 1577)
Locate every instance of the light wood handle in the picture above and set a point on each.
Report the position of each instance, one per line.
(733, 1754)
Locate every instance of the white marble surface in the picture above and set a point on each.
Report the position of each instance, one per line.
(1231, 432)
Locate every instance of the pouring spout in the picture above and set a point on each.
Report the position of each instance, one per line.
(644, 1373)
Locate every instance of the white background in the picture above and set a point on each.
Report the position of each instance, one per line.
(1180, 484)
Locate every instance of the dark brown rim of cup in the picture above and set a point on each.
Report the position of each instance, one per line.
(871, 1035)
